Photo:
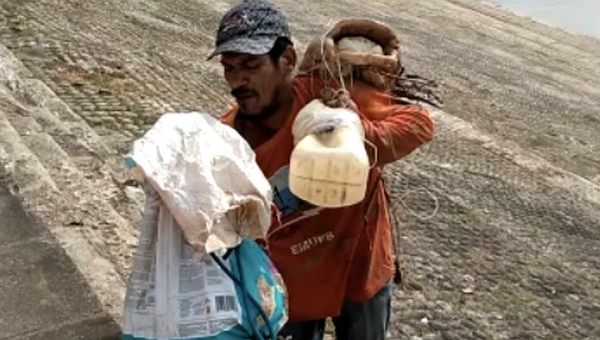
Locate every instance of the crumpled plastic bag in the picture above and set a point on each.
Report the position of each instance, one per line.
(316, 117)
(207, 176)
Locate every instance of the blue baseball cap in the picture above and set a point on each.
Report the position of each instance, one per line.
(251, 27)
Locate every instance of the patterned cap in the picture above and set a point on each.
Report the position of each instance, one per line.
(251, 27)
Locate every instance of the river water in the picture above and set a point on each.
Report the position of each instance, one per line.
(580, 16)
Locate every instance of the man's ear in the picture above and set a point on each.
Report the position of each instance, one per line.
(288, 60)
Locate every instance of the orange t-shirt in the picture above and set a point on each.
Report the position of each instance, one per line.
(327, 255)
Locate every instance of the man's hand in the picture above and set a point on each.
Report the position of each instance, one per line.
(153, 199)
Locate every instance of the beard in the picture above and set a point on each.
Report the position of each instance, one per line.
(263, 113)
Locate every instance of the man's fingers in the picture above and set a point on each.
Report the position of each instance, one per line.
(155, 200)
(152, 196)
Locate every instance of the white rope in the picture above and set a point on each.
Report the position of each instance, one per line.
(375, 152)
(411, 212)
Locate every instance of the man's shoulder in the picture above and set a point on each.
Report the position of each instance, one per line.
(307, 86)
(310, 86)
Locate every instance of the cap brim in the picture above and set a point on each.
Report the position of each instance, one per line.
(254, 46)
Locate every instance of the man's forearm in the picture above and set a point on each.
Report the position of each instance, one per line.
(405, 128)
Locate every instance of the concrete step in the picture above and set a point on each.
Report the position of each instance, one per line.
(63, 174)
(43, 294)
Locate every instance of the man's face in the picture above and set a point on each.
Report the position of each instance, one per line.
(254, 81)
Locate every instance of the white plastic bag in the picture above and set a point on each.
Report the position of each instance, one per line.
(206, 175)
(316, 117)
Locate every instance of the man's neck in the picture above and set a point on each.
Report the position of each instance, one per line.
(278, 118)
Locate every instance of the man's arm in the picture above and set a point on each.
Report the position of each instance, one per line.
(396, 130)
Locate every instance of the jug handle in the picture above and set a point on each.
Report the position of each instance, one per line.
(374, 153)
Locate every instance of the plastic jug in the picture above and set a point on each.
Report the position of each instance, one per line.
(329, 168)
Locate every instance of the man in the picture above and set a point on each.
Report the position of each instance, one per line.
(335, 262)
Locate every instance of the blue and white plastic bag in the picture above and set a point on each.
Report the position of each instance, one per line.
(197, 274)
(177, 293)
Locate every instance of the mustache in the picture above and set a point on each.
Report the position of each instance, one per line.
(243, 91)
